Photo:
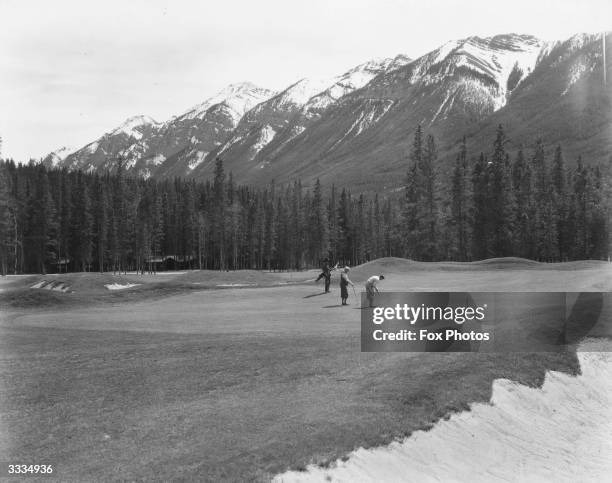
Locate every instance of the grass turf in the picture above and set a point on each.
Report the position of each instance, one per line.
(234, 384)
(134, 405)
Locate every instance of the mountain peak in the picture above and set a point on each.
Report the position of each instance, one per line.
(130, 126)
(353, 79)
(238, 97)
(55, 158)
(488, 61)
(299, 93)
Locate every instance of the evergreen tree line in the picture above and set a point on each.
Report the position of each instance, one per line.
(531, 206)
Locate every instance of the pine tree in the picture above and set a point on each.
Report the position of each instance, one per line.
(430, 157)
(545, 214)
(460, 204)
(41, 230)
(332, 216)
(270, 228)
(318, 227)
(345, 231)
(6, 220)
(481, 228)
(524, 217)
(219, 212)
(415, 209)
(560, 202)
(500, 195)
(297, 224)
(83, 226)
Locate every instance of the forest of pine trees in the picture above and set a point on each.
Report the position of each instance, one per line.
(529, 205)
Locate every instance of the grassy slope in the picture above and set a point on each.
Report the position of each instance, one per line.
(238, 384)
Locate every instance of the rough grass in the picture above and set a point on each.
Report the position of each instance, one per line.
(168, 381)
(131, 405)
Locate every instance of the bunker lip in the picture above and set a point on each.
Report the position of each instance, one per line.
(559, 431)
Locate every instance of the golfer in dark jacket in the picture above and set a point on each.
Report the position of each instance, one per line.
(344, 283)
(326, 271)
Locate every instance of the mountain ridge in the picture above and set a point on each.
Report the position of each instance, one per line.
(327, 128)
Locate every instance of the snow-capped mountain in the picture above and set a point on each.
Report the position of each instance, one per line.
(187, 139)
(464, 80)
(271, 125)
(352, 80)
(147, 145)
(465, 87)
(236, 98)
(56, 158)
(130, 140)
(355, 129)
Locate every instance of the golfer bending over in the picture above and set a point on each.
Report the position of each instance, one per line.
(371, 288)
(344, 283)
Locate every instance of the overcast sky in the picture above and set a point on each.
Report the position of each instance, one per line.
(72, 70)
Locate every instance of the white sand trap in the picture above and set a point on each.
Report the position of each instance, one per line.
(118, 286)
(560, 432)
(52, 285)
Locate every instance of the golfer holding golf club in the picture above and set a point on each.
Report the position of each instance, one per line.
(372, 289)
(326, 271)
(344, 283)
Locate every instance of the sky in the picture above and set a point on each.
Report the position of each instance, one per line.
(71, 70)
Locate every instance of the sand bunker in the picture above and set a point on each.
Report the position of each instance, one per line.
(559, 432)
(118, 286)
(55, 285)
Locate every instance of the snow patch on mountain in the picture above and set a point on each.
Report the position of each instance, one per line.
(58, 156)
(354, 79)
(577, 70)
(237, 98)
(491, 60)
(92, 147)
(157, 159)
(445, 106)
(369, 116)
(398, 61)
(495, 58)
(229, 143)
(266, 135)
(131, 126)
(298, 94)
(197, 160)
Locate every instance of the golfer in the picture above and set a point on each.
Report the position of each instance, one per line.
(326, 271)
(372, 289)
(344, 283)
